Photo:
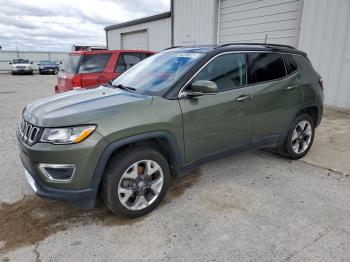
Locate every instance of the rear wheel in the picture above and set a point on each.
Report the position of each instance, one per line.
(300, 137)
(135, 181)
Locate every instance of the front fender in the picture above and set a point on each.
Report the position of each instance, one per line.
(175, 153)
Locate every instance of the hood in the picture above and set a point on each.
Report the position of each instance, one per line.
(80, 106)
(25, 65)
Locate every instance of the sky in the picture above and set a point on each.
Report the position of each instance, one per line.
(55, 25)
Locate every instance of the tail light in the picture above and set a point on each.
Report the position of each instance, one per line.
(321, 84)
(56, 89)
(76, 81)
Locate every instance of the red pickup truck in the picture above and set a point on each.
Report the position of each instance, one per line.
(88, 69)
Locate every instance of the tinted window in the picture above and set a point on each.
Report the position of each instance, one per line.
(126, 61)
(292, 65)
(94, 63)
(70, 63)
(227, 71)
(267, 67)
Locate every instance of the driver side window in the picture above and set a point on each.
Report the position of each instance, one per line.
(228, 71)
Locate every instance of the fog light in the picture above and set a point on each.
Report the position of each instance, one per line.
(60, 173)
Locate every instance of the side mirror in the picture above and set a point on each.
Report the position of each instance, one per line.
(31, 62)
(202, 87)
(10, 63)
(61, 63)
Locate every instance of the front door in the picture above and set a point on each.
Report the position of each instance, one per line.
(220, 122)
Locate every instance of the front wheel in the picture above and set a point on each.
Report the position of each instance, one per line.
(300, 137)
(135, 181)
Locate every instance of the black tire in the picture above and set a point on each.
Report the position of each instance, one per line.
(119, 164)
(286, 149)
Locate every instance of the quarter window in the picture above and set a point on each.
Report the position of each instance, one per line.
(94, 63)
(292, 65)
(267, 67)
(227, 71)
(126, 61)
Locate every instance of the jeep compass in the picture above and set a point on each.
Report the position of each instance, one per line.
(167, 114)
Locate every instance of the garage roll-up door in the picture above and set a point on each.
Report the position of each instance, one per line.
(135, 40)
(250, 21)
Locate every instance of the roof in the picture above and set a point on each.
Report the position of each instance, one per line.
(139, 21)
(242, 47)
(93, 52)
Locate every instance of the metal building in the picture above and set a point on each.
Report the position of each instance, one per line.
(319, 27)
(149, 33)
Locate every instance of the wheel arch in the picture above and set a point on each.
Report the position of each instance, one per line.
(161, 140)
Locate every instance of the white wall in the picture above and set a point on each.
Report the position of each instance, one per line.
(195, 22)
(159, 34)
(7, 56)
(325, 36)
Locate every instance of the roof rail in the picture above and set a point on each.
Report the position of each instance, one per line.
(262, 44)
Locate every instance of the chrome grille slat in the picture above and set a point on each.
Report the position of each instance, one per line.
(27, 132)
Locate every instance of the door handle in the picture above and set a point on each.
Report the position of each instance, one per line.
(244, 98)
(292, 87)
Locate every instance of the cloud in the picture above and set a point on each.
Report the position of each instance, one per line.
(58, 24)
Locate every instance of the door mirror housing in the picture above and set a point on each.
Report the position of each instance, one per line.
(202, 87)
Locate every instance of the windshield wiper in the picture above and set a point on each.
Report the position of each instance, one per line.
(127, 88)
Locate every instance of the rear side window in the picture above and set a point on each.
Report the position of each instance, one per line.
(267, 67)
(94, 63)
(227, 71)
(70, 63)
(126, 61)
(291, 64)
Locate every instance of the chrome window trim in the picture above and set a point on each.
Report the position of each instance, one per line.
(49, 178)
(182, 94)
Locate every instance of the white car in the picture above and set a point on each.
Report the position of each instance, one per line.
(21, 66)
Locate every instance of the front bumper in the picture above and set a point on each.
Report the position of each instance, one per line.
(84, 198)
(22, 71)
(47, 70)
(79, 191)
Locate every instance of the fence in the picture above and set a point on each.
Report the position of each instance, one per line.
(34, 56)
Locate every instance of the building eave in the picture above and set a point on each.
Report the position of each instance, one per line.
(139, 21)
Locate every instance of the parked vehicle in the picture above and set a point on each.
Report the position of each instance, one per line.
(164, 116)
(48, 67)
(88, 69)
(21, 66)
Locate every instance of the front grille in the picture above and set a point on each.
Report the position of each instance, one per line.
(27, 132)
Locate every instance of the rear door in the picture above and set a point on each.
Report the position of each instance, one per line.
(92, 69)
(220, 122)
(276, 97)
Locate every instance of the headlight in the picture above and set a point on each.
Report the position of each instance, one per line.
(69, 135)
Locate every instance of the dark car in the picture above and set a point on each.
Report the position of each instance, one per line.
(166, 115)
(48, 67)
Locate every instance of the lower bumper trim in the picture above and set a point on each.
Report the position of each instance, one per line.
(83, 198)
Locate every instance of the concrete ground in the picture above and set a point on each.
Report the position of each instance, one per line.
(249, 207)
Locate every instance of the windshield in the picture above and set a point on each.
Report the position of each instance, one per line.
(47, 63)
(157, 73)
(20, 61)
(70, 63)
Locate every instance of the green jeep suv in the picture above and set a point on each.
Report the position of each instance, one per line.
(164, 116)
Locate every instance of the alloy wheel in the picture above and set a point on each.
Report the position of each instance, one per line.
(301, 137)
(140, 184)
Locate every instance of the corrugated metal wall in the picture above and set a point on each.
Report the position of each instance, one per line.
(159, 34)
(253, 21)
(325, 36)
(7, 56)
(195, 22)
